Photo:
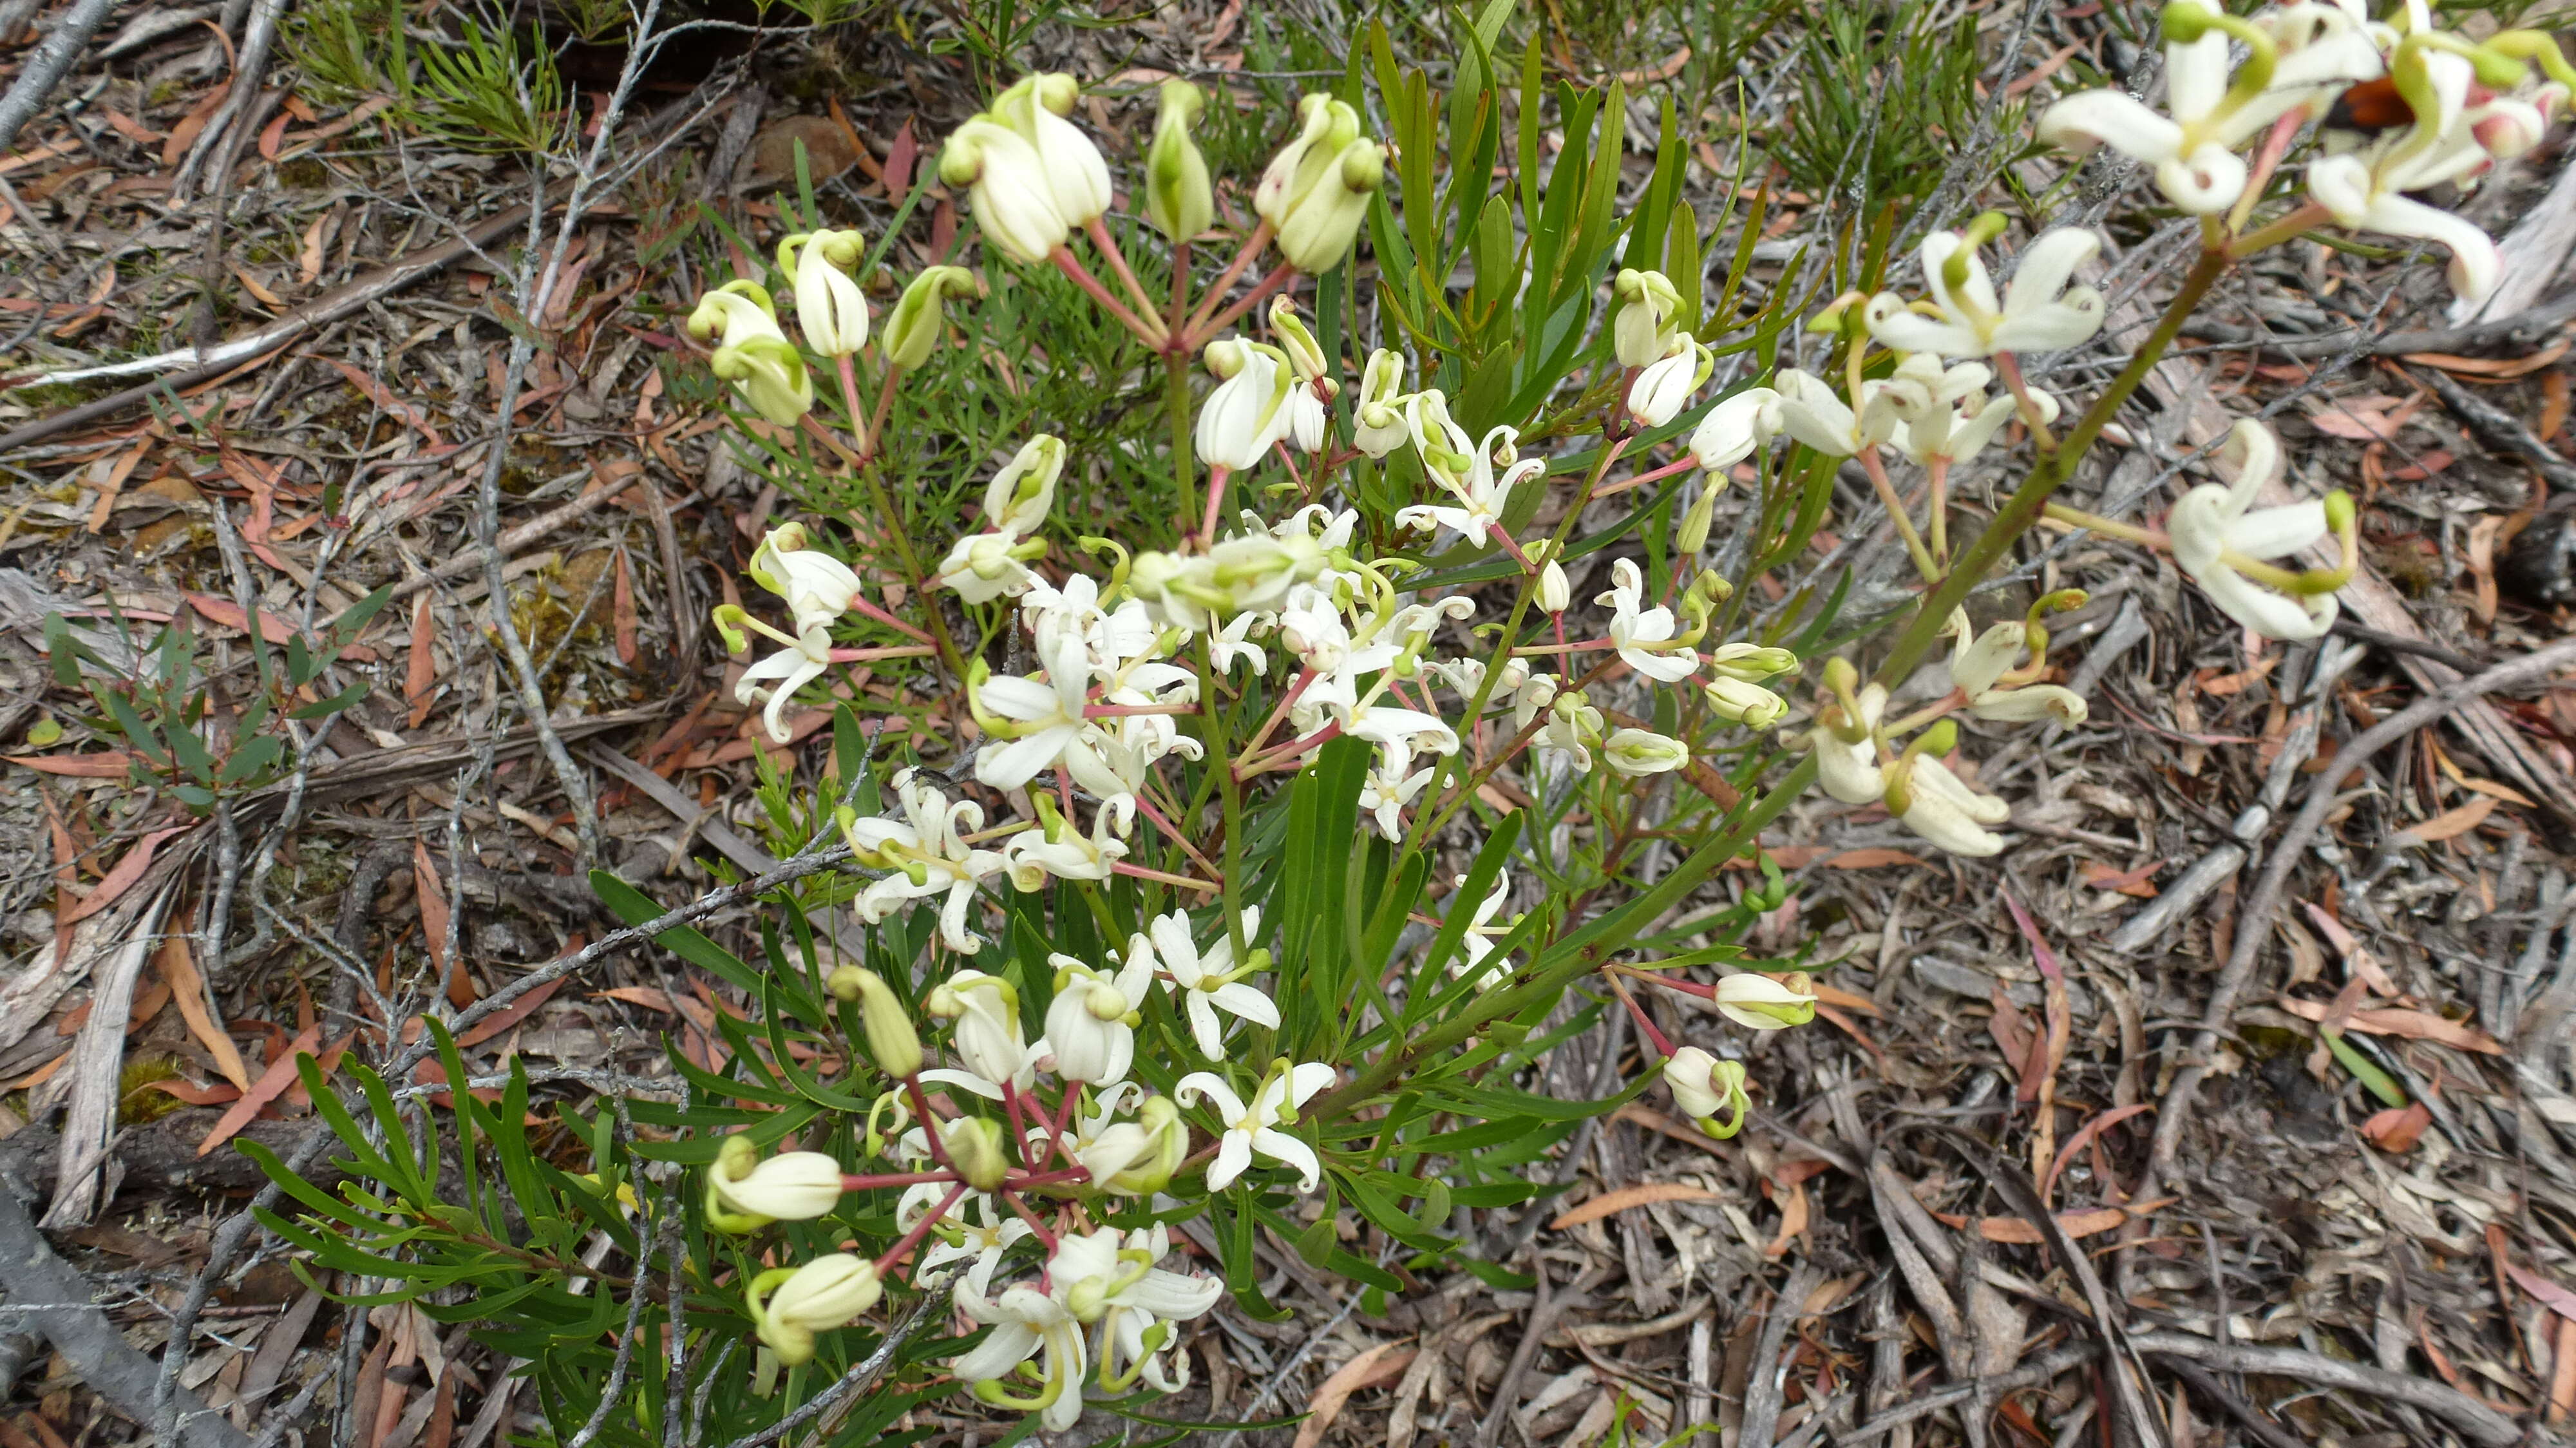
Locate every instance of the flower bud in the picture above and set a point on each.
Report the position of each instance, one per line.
(912, 329)
(1017, 500)
(1075, 177)
(830, 309)
(768, 373)
(1665, 386)
(1248, 410)
(1305, 354)
(1555, 590)
(1013, 197)
(1637, 752)
(1703, 511)
(1643, 331)
(826, 1293)
(1747, 704)
(1703, 1086)
(891, 1038)
(1379, 422)
(975, 1149)
(1169, 1138)
(1763, 1004)
(1751, 662)
(737, 311)
(793, 1186)
(1178, 197)
(1316, 190)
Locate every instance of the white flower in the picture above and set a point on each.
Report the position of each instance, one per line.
(1636, 752)
(830, 308)
(2040, 312)
(1077, 179)
(1229, 644)
(1025, 1323)
(1308, 419)
(1947, 412)
(1092, 1274)
(986, 1011)
(1643, 329)
(982, 567)
(1128, 1333)
(803, 661)
(1208, 981)
(793, 1186)
(1634, 631)
(1477, 945)
(1814, 415)
(1848, 768)
(1465, 470)
(2211, 522)
(1013, 196)
(957, 1239)
(1255, 1128)
(817, 587)
(1689, 1074)
(927, 854)
(1017, 499)
(2365, 189)
(1377, 415)
(1735, 429)
(825, 1293)
(1745, 703)
(1248, 410)
(1047, 725)
(1760, 1003)
(1389, 788)
(735, 313)
(2030, 703)
(1090, 1023)
(2320, 48)
(1664, 387)
(1942, 809)
(1056, 849)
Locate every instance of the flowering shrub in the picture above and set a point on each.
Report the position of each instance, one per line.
(1190, 914)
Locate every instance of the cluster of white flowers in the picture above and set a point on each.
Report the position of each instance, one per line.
(2444, 109)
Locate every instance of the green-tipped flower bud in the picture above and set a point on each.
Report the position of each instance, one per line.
(1305, 355)
(1316, 190)
(891, 1038)
(975, 1149)
(913, 328)
(1178, 197)
(1643, 330)
(769, 373)
(1695, 523)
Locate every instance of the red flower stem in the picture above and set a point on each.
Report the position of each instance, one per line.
(929, 1123)
(1281, 712)
(1121, 867)
(1172, 831)
(855, 1183)
(905, 651)
(1252, 246)
(1641, 479)
(903, 1245)
(1217, 475)
(866, 609)
(1098, 231)
(1045, 1237)
(1150, 333)
(1663, 1044)
(1279, 277)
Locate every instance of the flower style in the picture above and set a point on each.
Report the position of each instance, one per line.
(806, 655)
(1664, 387)
(1208, 981)
(1465, 470)
(1316, 190)
(1133, 1323)
(2039, 311)
(1091, 1022)
(1248, 409)
(1978, 666)
(1735, 429)
(1026, 1323)
(927, 854)
(2215, 536)
(830, 308)
(1254, 1128)
(825, 1293)
(2301, 55)
(1635, 632)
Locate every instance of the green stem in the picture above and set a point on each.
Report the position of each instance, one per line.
(1176, 402)
(1220, 744)
(2023, 507)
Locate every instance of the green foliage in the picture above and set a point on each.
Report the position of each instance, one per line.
(165, 710)
(1886, 93)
